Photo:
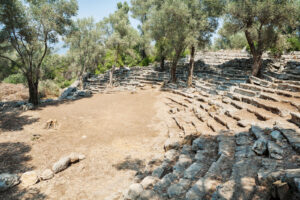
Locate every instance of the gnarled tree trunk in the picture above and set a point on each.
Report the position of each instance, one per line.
(191, 67)
(33, 91)
(257, 64)
(162, 63)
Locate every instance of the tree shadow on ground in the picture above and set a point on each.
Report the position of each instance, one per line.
(13, 160)
(130, 164)
(14, 121)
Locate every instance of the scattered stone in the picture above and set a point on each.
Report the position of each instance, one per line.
(29, 179)
(257, 132)
(260, 146)
(179, 189)
(75, 157)
(198, 144)
(135, 190)
(149, 195)
(276, 135)
(193, 170)
(171, 155)
(8, 181)
(61, 165)
(171, 143)
(149, 181)
(161, 170)
(47, 175)
(28, 106)
(275, 150)
(164, 183)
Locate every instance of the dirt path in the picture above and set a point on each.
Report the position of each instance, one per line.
(118, 134)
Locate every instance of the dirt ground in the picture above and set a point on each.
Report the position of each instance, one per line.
(13, 92)
(118, 133)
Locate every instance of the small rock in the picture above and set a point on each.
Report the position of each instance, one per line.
(135, 190)
(47, 174)
(165, 182)
(176, 190)
(7, 181)
(200, 155)
(29, 178)
(171, 155)
(148, 182)
(275, 150)
(149, 195)
(193, 170)
(257, 132)
(61, 165)
(198, 144)
(260, 146)
(74, 157)
(276, 135)
(161, 170)
(28, 106)
(171, 143)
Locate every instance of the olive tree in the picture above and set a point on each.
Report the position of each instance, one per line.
(169, 26)
(120, 36)
(262, 21)
(31, 27)
(203, 21)
(86, 43)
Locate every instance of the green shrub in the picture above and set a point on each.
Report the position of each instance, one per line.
(294, 44)
(147, 61)
(65, 84)
(49, 88)
(15, 79)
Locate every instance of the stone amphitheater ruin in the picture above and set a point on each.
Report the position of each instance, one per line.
(232, 136)
(239, 135)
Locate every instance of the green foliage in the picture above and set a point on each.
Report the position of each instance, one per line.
(262, 21)
(86, 42)
(31, 27)
(147, 61)
(294, 44)
(15, 79)
(48, 88)
(120, 37)
(230, 41)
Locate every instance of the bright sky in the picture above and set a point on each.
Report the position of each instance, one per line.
(98, 9)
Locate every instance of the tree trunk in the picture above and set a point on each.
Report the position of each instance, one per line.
(111, 73)
(257, 63)
(162, 63)
(191, 68)
(33, 91)
(173, 68)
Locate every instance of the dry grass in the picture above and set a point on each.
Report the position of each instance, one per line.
(13, 92)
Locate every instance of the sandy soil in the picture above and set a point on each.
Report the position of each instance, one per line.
(118, 134)
(13, 92)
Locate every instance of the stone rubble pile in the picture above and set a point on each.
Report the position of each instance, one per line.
(30, 178)
(224, 166)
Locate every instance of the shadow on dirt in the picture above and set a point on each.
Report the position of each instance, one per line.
(130, 164)
(13, 160)
(14, 121)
